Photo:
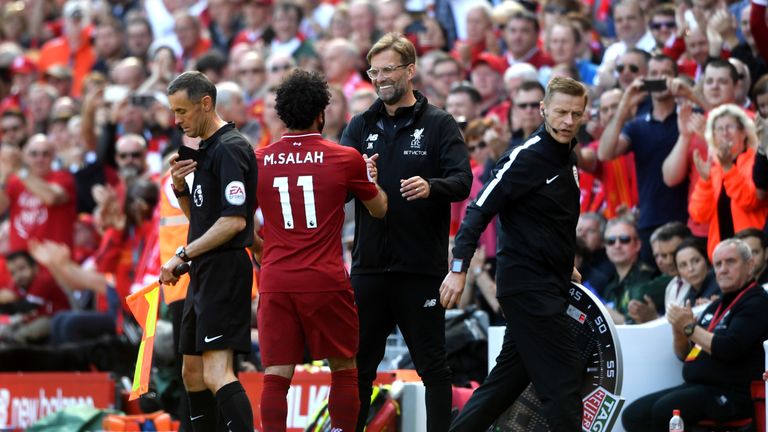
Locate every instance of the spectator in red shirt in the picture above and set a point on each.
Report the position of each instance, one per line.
(480, 35)
(74, 47)
(13, 126)
(138, 37)
(41, 201)
(189, 33)
(341, 61)
(250, 73)
(256, 17)
(487, 72)
(521, 35)
(30, 302)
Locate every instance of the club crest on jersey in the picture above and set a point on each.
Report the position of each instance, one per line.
(416, 141)
(198, 196)
(234, 193)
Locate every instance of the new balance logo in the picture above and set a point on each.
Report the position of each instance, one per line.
(430, 303)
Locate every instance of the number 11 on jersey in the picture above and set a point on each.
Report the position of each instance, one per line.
(306, 184)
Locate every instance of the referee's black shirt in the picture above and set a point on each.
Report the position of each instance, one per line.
(534, 190)
(225, 185)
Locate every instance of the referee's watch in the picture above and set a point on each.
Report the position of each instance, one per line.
(457, 266)
(181, 252)
(180, 193)
(689, 329)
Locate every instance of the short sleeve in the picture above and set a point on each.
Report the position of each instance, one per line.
(231, 165)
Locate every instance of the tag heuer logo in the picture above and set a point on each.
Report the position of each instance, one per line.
(599, 409)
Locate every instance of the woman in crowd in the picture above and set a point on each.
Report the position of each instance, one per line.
(695, 280)
(725, 195)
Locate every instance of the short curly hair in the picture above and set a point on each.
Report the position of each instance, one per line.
(301, 97)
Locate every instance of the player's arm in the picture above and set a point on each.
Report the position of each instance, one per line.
(377, 206)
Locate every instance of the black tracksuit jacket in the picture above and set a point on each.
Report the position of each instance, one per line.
(424, 141)
(534, 190)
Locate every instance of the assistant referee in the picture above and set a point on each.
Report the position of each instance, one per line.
(535, 192)
(217, 311)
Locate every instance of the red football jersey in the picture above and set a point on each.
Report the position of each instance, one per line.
(302, 186)
(32, 219)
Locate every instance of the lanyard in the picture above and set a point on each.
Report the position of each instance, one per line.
(719, 315)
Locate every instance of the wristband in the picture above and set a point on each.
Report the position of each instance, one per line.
(180, 193)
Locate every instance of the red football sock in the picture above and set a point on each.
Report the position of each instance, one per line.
(344, 401)
(274, 403)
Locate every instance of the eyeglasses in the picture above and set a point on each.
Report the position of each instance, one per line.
(527, 105)
(632, 68)
(386, 70)
(727, 128)
(132, 155)
(39, 153)
(665, 24)
(15, 128)
(446, 75)
(280, 68)
(481, 145)
(251, 71)
(623, 239)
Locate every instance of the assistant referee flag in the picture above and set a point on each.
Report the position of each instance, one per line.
(144, 305)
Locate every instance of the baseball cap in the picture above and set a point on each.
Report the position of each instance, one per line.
(58, 71)
(23, 65)
(495, 62)
(74, 9)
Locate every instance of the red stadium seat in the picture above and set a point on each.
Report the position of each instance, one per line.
(756, 424)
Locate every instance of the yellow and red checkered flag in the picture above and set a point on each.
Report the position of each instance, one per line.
(144, 304)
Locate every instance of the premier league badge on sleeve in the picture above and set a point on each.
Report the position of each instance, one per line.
(198, 196)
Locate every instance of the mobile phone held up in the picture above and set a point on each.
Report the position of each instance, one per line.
(654, 85)
(186, 153)
(142, 100)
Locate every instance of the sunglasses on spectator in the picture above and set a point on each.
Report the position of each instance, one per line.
(665, 24)
(632, 68)
(279, 68)
(251, 71)
(528, 105)
(133, 155)
(15, 128)
(39, 153)
(481, 145)
(623, 239)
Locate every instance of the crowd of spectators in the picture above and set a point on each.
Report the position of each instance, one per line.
(672, 157)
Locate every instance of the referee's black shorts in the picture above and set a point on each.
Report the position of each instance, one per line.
(217, 310)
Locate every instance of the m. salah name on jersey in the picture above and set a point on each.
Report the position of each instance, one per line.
(293, 158)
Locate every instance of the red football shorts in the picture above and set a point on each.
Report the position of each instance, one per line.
(325, 321)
